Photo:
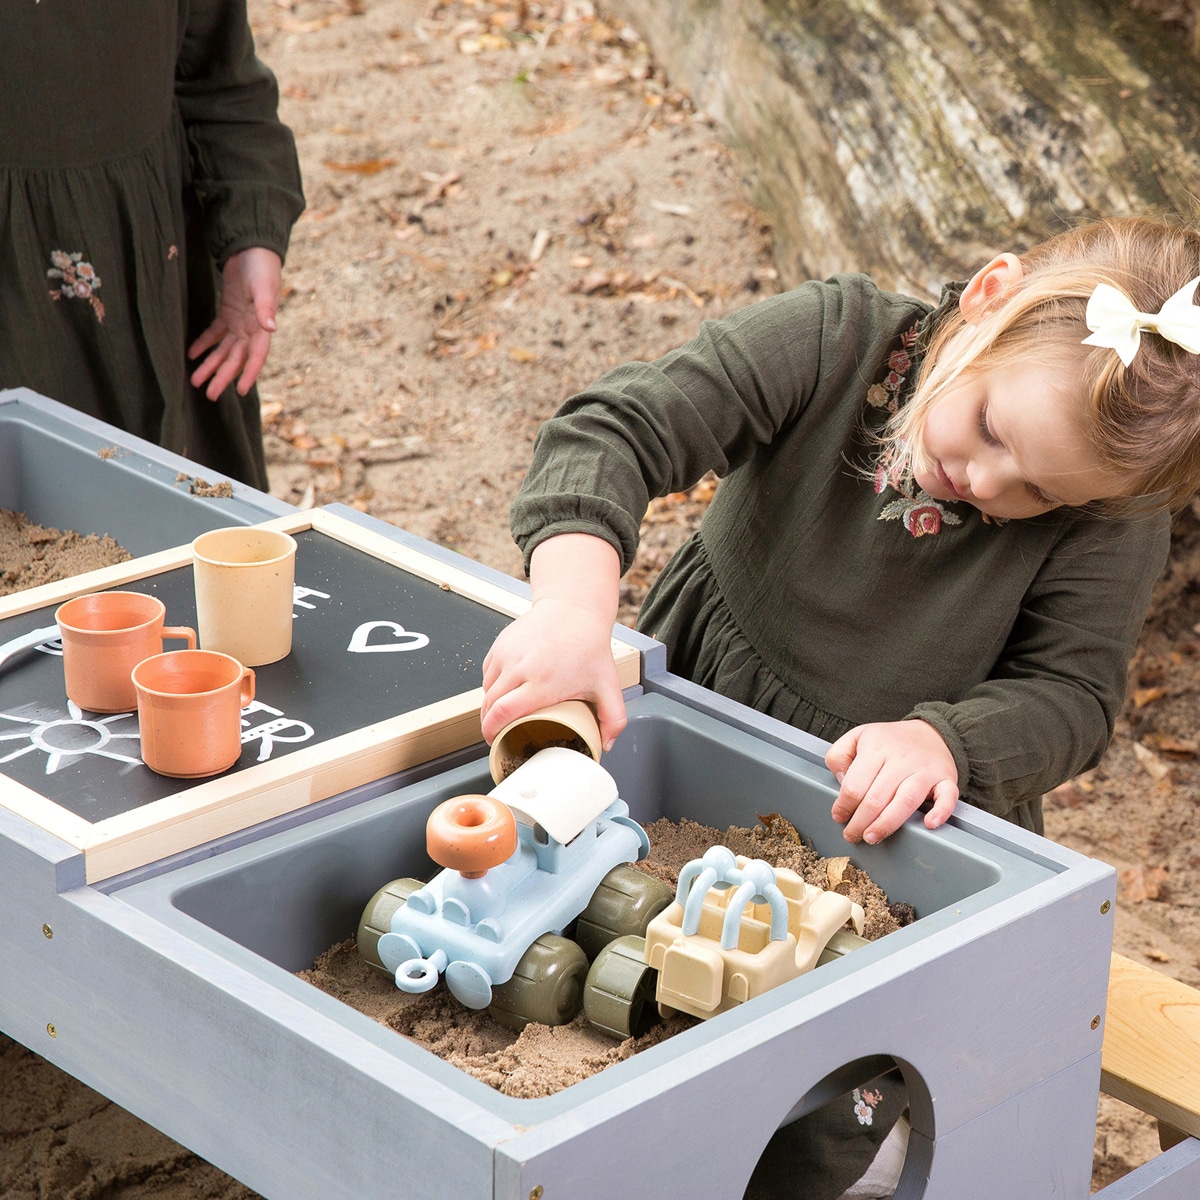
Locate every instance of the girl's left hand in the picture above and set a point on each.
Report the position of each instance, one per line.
(887, 771)
(252, 281)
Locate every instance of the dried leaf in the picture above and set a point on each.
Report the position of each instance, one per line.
(521, 355)
(674, 210)
(540, 241)
(779, 826)
(1068, 795)
(1143, 883)
(1154, 954)
(835, 870)
(1165, 744)
(368, 166)
(1144, 696)
(1154, 766)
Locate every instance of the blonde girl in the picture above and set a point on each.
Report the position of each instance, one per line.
(937, 530)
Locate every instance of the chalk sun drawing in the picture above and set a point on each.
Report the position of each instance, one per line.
(63, 739)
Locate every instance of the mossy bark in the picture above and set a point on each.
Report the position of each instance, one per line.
(912, 139)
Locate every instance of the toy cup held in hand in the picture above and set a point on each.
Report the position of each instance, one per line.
(244, 579)
(104, 636)
(570, 723)
(189, 706)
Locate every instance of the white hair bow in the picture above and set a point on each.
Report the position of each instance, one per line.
(1117, 324)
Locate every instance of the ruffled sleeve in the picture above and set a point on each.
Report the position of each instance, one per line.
(244, 163)
(646, 429)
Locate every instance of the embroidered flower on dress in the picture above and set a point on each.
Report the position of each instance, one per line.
(79, 280)
(864, 1105)
(887, 394)
(916, 510)
(920, 514)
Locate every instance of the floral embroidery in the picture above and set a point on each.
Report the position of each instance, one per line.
(79, 280)
(916, 510)
(887, 394)
(919, 513)
(864, 1105)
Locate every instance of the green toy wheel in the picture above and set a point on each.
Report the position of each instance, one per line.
(546, 986)
(842, 943)
(624, 904)
(618, 996)
(377, 920)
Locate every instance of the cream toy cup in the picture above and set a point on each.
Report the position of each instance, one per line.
(244, 578)
(104, 636)
(570, 723)
(189, 706)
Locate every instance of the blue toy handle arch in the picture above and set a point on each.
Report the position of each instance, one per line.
(755, 883)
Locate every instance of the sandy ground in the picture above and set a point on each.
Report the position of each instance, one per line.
(505, 199)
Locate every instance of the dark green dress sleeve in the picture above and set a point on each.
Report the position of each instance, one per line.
(1048, 708)
(646, 429)
(244, 165)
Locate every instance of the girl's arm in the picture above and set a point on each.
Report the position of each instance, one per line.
(244, 165)
(560, 649)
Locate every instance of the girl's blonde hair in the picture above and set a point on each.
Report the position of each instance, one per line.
(1143, 421)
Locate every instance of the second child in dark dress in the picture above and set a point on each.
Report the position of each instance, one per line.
(933, 544)
(140, 148)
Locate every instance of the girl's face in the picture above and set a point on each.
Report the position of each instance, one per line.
(1007, 441)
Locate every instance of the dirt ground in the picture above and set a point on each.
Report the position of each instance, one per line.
(505, 199)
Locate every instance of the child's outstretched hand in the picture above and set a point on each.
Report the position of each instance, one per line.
(241, 333)
(887, 771)
(561, 648)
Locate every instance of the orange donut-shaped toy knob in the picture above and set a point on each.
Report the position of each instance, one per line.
(471, 834)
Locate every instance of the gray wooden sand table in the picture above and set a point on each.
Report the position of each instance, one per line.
(168, 986)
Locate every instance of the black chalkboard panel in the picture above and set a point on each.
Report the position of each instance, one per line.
(370, 641)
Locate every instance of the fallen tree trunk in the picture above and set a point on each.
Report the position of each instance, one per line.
(912, 139)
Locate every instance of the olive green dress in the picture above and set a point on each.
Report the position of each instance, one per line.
(821, 589)
(139, 147)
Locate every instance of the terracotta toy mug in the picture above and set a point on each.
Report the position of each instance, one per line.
(104, 636)
(189, 706)
(244, 579)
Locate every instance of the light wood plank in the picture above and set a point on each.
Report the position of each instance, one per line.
(1151, 1056)
(44, 813)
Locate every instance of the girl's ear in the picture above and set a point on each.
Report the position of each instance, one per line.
(1000, 274)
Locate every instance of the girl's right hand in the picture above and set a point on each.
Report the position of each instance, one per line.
(561, 648)
(556, 651)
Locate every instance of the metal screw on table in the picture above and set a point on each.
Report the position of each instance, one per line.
(1096, 1022)
(1105, 907)
(50, 1029)
(47, 931)
(536, 1194)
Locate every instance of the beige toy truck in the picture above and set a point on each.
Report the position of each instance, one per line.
(737, 928)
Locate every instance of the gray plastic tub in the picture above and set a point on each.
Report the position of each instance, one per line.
(64, 469)
(338, 1104)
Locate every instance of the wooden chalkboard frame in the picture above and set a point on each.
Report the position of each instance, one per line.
(234, 802)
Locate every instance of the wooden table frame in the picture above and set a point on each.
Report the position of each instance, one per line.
(247, 797)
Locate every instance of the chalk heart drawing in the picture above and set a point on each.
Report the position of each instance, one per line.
(405, 639)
